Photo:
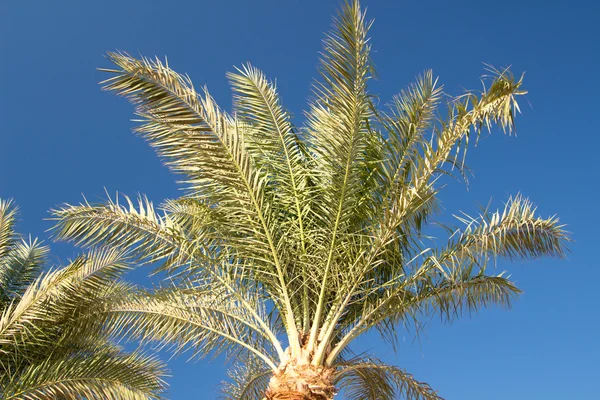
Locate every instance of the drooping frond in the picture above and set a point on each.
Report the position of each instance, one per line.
(187, 130)
(515, 233)
(201, 319)
(96, 374)
(370, 379)
(423, 296)
(452, 280)
(182, 235)
(190, 132)
(248, 380)
(62, 292)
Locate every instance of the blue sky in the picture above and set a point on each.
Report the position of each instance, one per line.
(61, 137)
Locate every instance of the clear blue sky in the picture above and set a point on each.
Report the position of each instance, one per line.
(60, 136)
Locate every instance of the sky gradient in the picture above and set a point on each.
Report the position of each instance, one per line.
(61, 137)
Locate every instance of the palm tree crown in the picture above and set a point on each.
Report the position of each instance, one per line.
(290, 242)
(51, 344)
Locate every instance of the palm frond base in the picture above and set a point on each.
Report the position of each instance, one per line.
(302, 382)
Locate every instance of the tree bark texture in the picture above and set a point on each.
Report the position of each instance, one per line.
(302, 381)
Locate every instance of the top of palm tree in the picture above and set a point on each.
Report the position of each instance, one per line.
(51, 344)
(292, 241)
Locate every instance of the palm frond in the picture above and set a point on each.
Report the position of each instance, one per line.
(272, 137)
(8, 213)
(424, 295)
(248, 380)
(20, 267)
(339, 132)
(205, 320)
(515, 233)
(56, 294)
(95, 375)
(370, 379)
(495, 105)
(411, 113)
(148, 235)
(187, 130)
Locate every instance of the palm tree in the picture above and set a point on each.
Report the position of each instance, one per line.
(51, 345)
(290, 242)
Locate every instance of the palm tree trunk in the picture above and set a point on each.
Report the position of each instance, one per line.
(301, 382)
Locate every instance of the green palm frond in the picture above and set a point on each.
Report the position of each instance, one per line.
(423, 296)
(8, 213)
(339, 133)
(96, 374)
(189, 131)
(278, 148)
(203, 319)
(272, 137)
(20, 267)
(20, 260)
(142, 230)
(61, 291)
(178, 122)
(52, 344)
(470, 113)
(411, 113)
(370, 379)
(515, 233)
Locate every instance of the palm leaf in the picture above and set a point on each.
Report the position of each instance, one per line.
(339, 132)
(59, 291)
(141, 230)
(8, 213)
(248, 380)
(202, 319)
(98, 375)
(20, 267)
(370, 379)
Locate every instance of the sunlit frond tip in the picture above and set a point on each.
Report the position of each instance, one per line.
(516, 232)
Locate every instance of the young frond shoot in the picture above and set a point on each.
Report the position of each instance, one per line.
(292, 241)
